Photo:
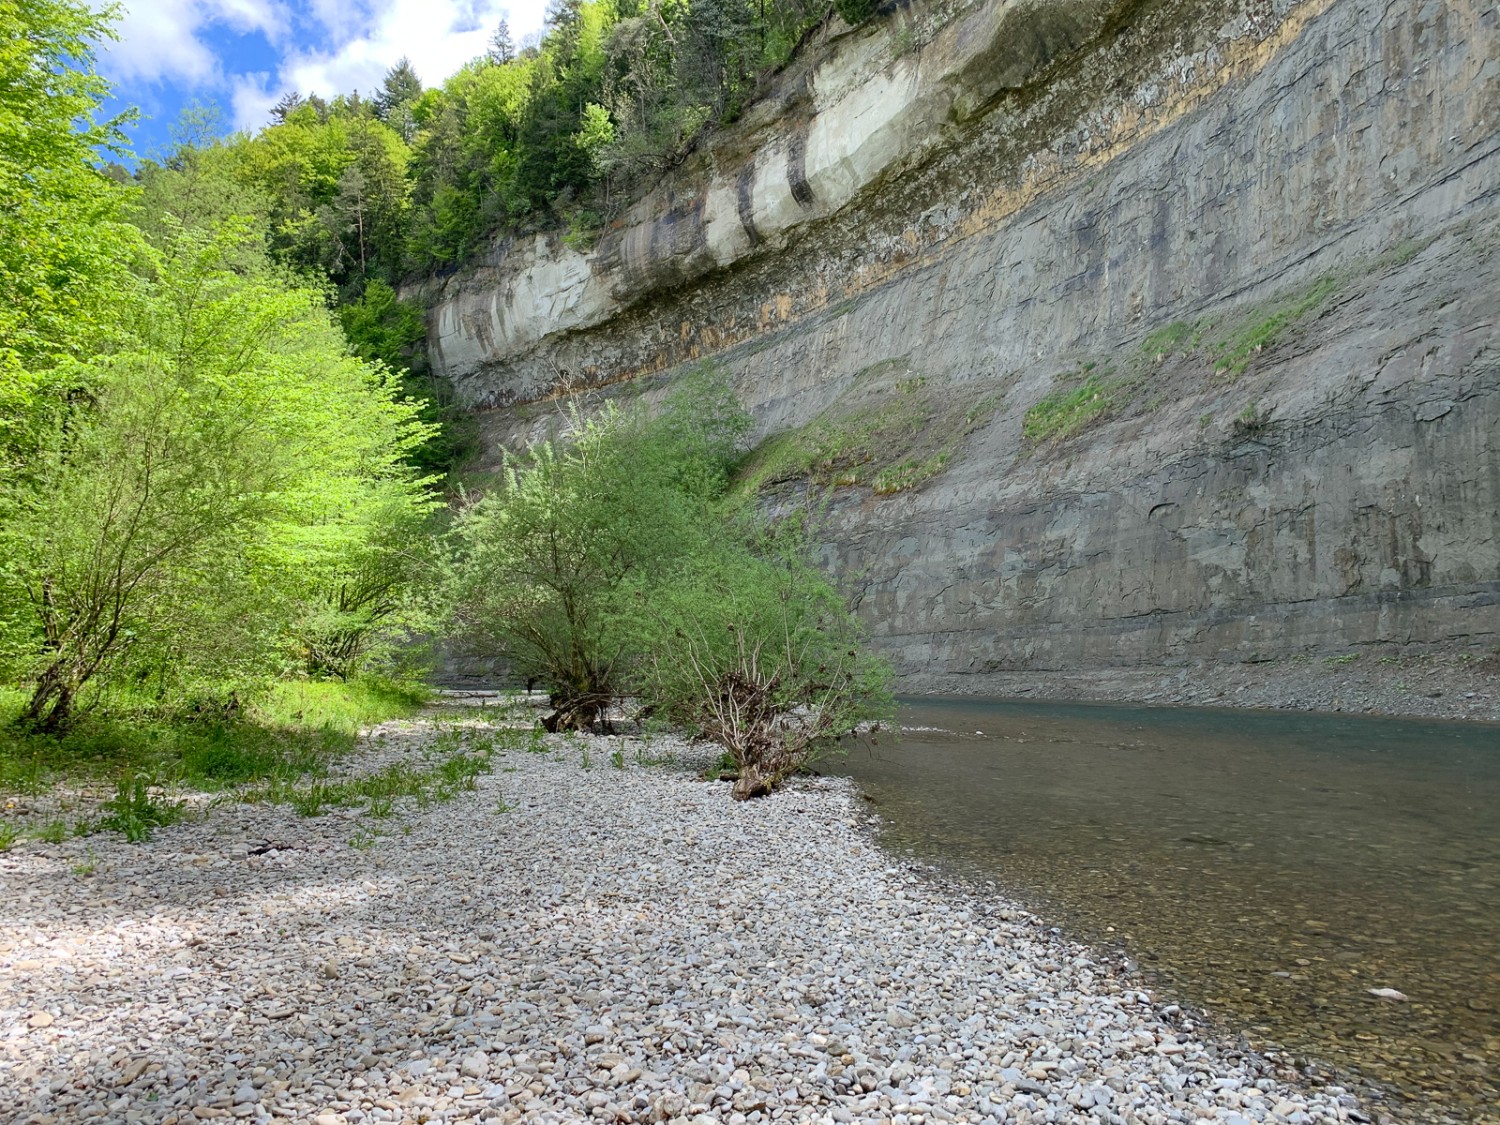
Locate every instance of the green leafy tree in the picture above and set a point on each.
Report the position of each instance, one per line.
(384, 329)
(203, 487)
(62, 243)
(549, 558)
(376, 592)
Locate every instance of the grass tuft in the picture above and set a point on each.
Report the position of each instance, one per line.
(1066, 411)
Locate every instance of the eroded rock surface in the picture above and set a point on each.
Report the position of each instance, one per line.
(1270, 231)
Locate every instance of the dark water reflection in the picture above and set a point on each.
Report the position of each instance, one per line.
(1271, 867)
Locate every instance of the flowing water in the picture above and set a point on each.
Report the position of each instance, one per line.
(1270, 867)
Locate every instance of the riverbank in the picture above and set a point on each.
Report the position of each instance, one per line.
(1426, 684)
(590, 934)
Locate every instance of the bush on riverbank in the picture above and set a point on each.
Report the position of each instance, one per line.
(612, 564)
(752, 647)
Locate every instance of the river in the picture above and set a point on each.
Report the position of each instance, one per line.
(1270, 868)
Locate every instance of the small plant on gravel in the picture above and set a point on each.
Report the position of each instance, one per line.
(462, 770)
(135, 812)
(308, 801)
(536, 740)
(83, 868)
(502, 807)
(380, 807)
(363, 840)
(587, 764)
(9, 834)
(53, 832)
(617, 759)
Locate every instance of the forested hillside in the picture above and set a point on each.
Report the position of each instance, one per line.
(557, 133)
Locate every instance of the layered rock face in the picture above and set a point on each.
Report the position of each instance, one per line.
(1267, 235)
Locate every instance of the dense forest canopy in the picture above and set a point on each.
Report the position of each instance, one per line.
(555, 134)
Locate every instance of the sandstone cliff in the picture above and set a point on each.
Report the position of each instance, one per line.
(1186, 313)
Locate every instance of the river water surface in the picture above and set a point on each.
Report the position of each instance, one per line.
(1270, 867)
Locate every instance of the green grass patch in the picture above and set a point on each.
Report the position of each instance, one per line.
(1067, 410)
(294, 730)
(137, 809)
(890, 437)
(1266, 324)
(1169, 339)
(336, 706)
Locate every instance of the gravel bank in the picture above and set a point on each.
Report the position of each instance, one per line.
(570, 944)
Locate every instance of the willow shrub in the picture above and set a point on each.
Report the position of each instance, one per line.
(547, 556)
(609, 564)
(753, 647)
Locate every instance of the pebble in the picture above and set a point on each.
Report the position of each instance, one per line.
(620, 944)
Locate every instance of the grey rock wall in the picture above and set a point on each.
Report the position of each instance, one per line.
(1173, 163)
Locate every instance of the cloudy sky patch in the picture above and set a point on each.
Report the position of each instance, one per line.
(242, 55)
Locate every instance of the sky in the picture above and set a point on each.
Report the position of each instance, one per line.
(243, 55)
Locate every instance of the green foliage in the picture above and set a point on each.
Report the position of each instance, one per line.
(545, 558)
(855, 12)
(1168, 339)
(1263, 326)
(53, 832)
(610, 565)
(753, 647)
(55, 269)
(383, 329)
(555, 136)
(136, 811)
(208, 474)
(1066, 411)
(892, 437)
(9, 834)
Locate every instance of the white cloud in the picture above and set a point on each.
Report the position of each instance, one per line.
(251, 98)
(161, 39)
(438, 36)
(325, 47)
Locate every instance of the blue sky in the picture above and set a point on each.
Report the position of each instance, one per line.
(242, 55)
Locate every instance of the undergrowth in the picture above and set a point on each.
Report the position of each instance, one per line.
(891, 437)
(293, 731)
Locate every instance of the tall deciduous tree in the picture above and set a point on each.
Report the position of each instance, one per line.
(222, 461)
(61, 242)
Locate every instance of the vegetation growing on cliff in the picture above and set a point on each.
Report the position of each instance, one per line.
(890, 435)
